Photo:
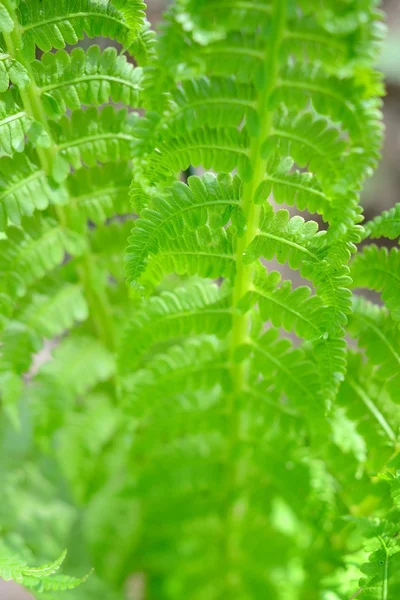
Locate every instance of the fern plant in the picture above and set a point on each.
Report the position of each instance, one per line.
(217, 417)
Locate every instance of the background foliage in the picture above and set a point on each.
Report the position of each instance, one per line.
(171, 437)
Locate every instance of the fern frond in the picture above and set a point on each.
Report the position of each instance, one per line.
(377, 416)
(309, 141)
(288, 370)
(39, 579)
(14, 125)
(330, 355)
(25, 188)
(79, 364)
(379, 269)
(134, 12)
(294, 188)
(207, 252)
(184, 380)
(373, 328)
(381, 572)
(222, 150)
(30, 253)
(91, 77)
(19, 344)
(89, 137)
(294, 310)
(100, 193)
(13, 568)
(144, 49)
(49, 316)
(57, 583)
(197, 364)
(198, 308)
(11, 71)
(385, 225)
(205, 201)
(308, 317)
(290, 240)
(208, 41)
(55, 24)
(215, 102)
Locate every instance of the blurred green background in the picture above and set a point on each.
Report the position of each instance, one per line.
(382, 191)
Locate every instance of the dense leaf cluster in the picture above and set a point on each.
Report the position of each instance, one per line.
(225, 424)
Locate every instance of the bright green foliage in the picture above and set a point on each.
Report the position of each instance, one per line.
(40, 579)
(211, 429)
(92, 77)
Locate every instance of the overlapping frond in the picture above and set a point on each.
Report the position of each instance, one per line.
(283, 95)
(379, 269)
(67, 81)
(30, 253)
(134, 14)
(24, 189)
(374, 330)
(198, 308)
(386, 225)
(90, 137)
(56, 24)
(39, 579)
(101, 192)
(79, 364)
(50, 316)
(11, 71)
(381, 574)
(189, 220)
(295, 310)
(213, 41)
(197, 364)
(14, 125)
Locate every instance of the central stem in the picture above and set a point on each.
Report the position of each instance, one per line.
(245, 272)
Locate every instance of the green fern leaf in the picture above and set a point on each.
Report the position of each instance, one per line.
(134, 14)
(13, 568)
(67, 81)
(90, 137)
(6, 22)
(207, 252)
(215, 102)
(379, 270)
(189, 208)
(18, 346)
(184, 380)
(14, 125)
(11, 71)
(290, 240)
(88, 363)
(196, 364)
(56, 24)
(30, 253)
(290, 371)
(374, 330)
(294, 310)
(51, 316)
(24, 188)
(385, 225)
(56, 583)
(198, 308)
(100, 193)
